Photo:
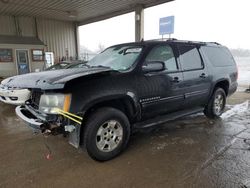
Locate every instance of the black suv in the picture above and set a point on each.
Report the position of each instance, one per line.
(126, 87)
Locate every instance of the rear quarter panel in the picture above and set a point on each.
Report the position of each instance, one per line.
(220, 72)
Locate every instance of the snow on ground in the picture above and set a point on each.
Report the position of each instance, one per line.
(243, 64)
(238, 109)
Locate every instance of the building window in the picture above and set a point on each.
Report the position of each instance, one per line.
(37, 55)
(6, 55)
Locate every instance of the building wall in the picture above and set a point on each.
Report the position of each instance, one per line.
(7, 25)
(10, 68)
(58, 36)
(27, 26)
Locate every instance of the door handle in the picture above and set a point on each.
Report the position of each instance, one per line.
(203, 75)
(176, 80)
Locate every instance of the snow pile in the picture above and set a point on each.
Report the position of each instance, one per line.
(236, 110)
(243, 65)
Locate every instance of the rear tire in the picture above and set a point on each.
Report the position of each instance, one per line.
(216, 104)
(106, 134)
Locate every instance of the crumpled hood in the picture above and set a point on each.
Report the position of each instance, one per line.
(55, 79)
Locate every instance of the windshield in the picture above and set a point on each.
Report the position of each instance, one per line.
(117, 58)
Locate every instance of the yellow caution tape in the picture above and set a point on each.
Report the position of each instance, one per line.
(69, 116)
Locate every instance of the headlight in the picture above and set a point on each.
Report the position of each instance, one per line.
(50, 102)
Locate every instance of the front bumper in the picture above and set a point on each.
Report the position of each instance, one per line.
(40, 123)
(29, 117)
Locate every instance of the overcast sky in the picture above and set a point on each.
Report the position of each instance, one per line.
(223, 21)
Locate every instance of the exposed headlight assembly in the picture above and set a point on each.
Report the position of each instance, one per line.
(50, 102)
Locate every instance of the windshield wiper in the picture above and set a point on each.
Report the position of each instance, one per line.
(101, 66)
(86, 65)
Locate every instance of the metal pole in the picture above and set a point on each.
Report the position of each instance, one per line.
(77, 45)
(139, 23)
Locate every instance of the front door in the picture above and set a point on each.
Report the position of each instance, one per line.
(22, 61)
(161, 92)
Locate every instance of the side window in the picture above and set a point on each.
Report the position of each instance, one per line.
(189, 57)
(164, 54)
(218, 56)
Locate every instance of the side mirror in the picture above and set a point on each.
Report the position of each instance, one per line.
(153, 66)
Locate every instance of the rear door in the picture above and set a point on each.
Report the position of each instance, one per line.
(161, 92)
(197, 81)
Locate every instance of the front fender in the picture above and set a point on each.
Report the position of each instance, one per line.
(128, 96)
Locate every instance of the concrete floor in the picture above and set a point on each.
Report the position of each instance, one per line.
(190, 152)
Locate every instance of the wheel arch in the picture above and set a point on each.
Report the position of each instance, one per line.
(127, 103)
(123, 102)
(224, 84)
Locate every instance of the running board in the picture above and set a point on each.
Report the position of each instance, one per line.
(165, 118)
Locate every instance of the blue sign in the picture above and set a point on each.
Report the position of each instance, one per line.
(166, 25)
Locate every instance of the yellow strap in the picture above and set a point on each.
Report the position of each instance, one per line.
(63, 114)
(70, 114)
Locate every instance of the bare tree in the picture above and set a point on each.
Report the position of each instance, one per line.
(101, 47)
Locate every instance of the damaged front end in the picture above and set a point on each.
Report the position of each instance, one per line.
(48, 95)
(40, 113)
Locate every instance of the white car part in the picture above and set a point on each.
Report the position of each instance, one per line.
(14, 96)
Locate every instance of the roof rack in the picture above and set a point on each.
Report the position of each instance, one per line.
(215, 43)
(198, 42)
(162, 39)
(182, 41)
(171, 39)
(189, 41)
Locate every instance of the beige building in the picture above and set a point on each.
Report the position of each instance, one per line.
(54, 25)
(25, 40)
(19, 55)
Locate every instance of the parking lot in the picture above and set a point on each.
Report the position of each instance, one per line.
(190, 152)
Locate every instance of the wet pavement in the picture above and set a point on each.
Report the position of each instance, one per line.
(190, 152)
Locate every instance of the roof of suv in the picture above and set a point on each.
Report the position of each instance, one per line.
(159, 41)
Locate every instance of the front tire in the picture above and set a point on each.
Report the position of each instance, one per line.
(106, 134)
(216, 104)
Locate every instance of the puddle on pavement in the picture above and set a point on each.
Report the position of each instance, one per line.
(190, 152)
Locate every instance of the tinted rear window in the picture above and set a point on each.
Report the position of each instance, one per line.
(219, 57)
